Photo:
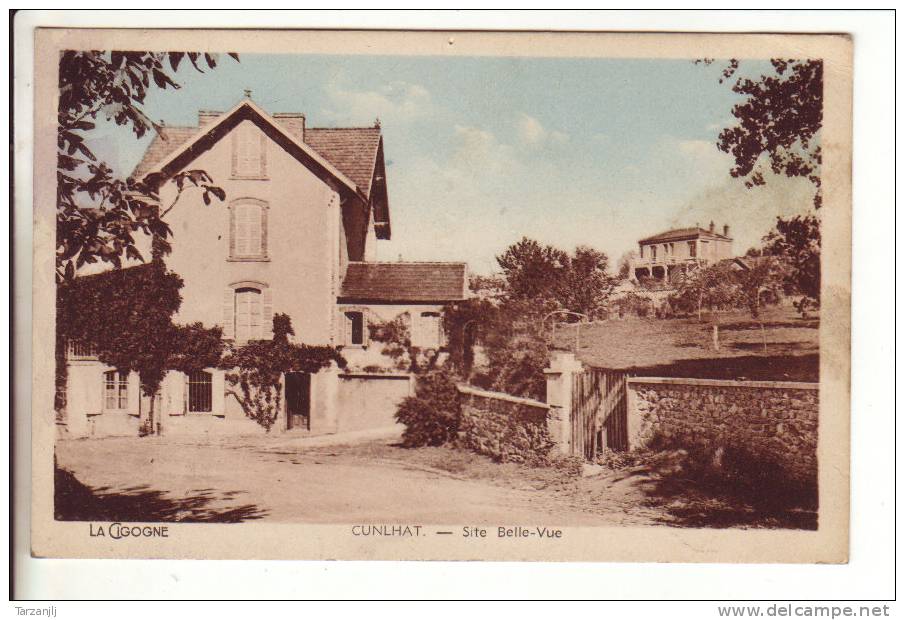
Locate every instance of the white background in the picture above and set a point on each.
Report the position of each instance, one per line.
(870, 573)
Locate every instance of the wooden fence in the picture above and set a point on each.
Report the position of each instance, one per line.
(599, 416)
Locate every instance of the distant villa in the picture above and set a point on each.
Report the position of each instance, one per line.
(660, 255)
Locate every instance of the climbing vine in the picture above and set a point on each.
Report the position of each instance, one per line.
(396, 337)
(126, 317)
(256, 369)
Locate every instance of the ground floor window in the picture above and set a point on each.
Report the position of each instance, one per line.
(355, 327)
(201, 394)
(116, 390)
(430, 336)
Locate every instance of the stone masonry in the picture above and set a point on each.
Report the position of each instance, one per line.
(774, 420)
(504, 427)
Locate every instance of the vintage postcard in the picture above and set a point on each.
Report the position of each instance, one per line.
(420, 295)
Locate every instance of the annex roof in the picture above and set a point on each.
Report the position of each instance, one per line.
(403, 282)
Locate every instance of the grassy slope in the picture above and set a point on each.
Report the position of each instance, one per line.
(683, 346)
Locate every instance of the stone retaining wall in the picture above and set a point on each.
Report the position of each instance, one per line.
(773, 421)
(504, 427)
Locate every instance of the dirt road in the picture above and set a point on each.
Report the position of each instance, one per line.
(157, 479)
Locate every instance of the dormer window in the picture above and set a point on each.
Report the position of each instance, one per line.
(248, 229)
(249, 153)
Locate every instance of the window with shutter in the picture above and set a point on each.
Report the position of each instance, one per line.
(249, 321)
(248, 235)
(248, 152)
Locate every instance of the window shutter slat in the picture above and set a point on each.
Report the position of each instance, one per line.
(267, 313)
(229, 330)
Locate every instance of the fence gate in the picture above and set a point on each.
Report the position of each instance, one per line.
(599, 416)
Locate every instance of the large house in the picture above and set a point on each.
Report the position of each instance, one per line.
(305, 208)
(661, 255)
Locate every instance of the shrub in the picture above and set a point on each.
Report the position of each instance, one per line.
(432, 416)
(632, 303)
(735, 467)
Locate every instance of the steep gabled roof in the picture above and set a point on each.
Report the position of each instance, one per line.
(164, 143)
(403, 282)
(351, 149)
(680, 234)
(185, 152)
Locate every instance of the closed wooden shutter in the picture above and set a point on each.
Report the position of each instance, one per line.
(248, 157)
(267, 313)
(133, 393)
(229, 325)
(219, 393)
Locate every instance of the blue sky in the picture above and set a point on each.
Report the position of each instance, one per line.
(484, 150)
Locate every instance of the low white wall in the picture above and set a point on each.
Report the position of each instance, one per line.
(369, 400)
(340, 402)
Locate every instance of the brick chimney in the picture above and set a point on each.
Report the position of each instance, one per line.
(725, 230)
(293, 121)
(206, 117)
(712, 226)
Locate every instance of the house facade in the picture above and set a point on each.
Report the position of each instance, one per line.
(296, 234)
(661, 255)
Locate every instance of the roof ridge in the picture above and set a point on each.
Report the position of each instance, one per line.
(347, 127)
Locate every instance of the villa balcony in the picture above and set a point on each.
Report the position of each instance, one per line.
(662, 267)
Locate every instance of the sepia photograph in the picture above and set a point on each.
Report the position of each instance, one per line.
(441, 295)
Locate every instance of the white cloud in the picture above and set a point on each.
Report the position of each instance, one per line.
(396, 102)
(533, 133)
(478, 152)
(697, 148)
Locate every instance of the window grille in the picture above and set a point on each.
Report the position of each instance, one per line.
(201, 394)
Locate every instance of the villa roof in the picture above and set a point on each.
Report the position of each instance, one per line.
(403, 282)
(681, 234)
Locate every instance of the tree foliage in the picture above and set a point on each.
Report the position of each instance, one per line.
(532, 271)
(779, 119)
(257, 369)
(798, 240)
(624, 265)
(761, 284)
(126, 315)
(98, 213)
(396, 337)
(709, 288)
(721, 287)
(578, 282)
(513, 338)
(585, 286)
